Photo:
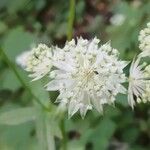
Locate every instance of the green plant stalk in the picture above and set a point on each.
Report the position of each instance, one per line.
(71, 19)
(49, 135)
(10, 64)
(63, 131)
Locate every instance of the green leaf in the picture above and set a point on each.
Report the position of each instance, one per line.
(40, 129)
(15, 5)
(38, 89)
(131, 134)
(3, 3)
(17, 41)
(17, 116)
(9, 80)
(112, 111)
(17, 137)
(49, 135)
(44, 130)
(102, 133)
(53, 123)
(122, 99)
(75, 145)
(3, 27)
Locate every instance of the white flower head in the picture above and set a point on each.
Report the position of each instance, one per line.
(22, 59)
(144, 39)
(117, 19)
(87, 75)
(139, 83)
(39, 61)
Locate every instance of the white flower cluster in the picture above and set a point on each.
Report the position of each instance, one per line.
(139, 83)
(88, 75)
(144, 39)
(139, 79)
(39, 61)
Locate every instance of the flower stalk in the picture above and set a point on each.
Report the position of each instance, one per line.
(71, 19)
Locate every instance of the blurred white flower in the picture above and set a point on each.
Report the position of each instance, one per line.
(86, 75)
(39, 61)
(139, 83)
(117, 19)
(22, 59)
(144, 39)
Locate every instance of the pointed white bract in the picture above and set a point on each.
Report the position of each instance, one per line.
(39, 61)
(144, 39)
(139, 83)
(87, 75)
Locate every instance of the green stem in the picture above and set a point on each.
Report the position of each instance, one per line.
(49, 134)
(71, 19)
(11, 65)
(64, 140)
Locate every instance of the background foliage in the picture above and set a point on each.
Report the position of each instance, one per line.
(24, 124)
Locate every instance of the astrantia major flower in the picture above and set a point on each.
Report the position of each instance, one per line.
(139, 83)
(144, 38)
(86, 75)
(39, 61)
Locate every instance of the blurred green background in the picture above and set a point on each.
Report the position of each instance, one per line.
(24, 23)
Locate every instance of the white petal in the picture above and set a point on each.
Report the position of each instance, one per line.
(130, 96)
(63, 66)
(122, 89)
(84, 109)
(54, 85)
(97, 105)
(73, 108)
